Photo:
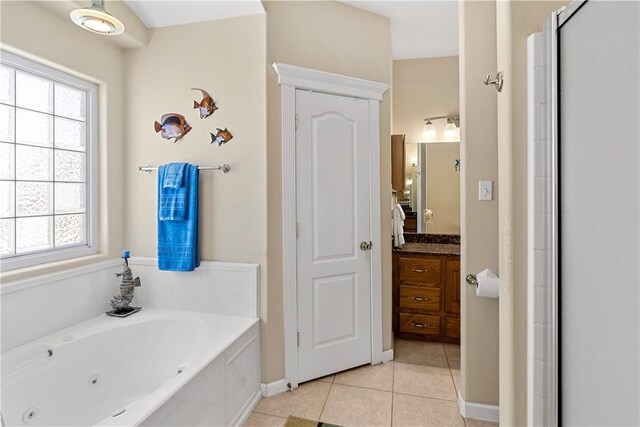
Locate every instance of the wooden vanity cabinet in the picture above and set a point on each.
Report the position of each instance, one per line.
(398, 172)
(452, 299)
(426, 297)
(411, 224)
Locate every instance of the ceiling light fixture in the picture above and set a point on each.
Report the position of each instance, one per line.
(96, 19)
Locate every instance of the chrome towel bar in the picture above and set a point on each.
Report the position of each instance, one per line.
(223, 168)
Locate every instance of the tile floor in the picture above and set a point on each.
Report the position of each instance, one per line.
(419, 388)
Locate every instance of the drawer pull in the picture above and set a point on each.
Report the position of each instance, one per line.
(420, 270)
(421, 298)
(421, 325)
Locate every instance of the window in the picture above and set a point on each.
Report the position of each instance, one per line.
(48, 163)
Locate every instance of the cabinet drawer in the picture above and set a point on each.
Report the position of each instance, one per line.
(419, 298)
(420, 270)
(452, 327)
(420, 324)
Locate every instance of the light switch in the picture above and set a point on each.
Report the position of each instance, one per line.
(486, 190)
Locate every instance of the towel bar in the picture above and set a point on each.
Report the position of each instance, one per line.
(224, 168)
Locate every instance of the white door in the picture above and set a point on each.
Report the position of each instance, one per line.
(333, 210)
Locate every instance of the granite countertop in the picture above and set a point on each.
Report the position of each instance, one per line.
(429, 249)
(431, 244)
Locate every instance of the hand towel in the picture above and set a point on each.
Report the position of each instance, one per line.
(174, 173)
(172, 194)
(398, 225)
(178, 239)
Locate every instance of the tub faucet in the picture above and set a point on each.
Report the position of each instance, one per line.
(120, 303)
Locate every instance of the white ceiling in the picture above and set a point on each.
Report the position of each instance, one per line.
(419, 29)
(163, 13)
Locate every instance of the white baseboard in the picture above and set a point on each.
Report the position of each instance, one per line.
(274, 388)
(478, 411)
(387, 356)
(246, 412)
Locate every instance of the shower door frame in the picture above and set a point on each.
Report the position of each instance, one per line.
(544, 267)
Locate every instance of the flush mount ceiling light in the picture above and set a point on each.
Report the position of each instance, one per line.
(96, 19)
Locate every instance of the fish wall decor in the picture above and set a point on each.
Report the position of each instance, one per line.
(222, 137)
(173, 126)
(207, 106)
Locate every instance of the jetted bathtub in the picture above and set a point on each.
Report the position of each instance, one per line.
(156, 367)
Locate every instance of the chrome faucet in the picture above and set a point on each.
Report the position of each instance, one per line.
(121, 303)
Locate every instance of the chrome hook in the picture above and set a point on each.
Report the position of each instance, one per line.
(498, 81)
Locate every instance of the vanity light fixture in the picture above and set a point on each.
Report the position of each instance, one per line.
(451, 130)
(429, 131)
(96, 19)
(450, 133)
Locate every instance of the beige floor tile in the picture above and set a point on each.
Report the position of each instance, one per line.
(305, 402)
(428, 353)
(354, 406)
(453, 355)
(379, 377)
(424, 380)
(327, 379)
(414, 411)
(479, 423)
(455, 373)
(261, 420)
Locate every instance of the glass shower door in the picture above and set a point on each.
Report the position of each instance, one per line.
(599, 214)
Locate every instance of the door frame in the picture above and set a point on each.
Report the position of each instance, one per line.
(290, 78)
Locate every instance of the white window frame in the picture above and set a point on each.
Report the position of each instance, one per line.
(92, 245)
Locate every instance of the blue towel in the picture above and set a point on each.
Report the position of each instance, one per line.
(172, 194)
(178, 239)
(174, 173)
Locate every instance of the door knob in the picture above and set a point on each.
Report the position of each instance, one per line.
(366, 246)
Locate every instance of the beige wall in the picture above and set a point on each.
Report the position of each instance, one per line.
(328, 36)
(443, 187)
(516, 20)
(138, 85)
(226, 58)
(424, 87)
(34, 31)
(479, 154)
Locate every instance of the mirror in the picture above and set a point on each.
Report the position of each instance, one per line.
(425, 143)
(432, 189)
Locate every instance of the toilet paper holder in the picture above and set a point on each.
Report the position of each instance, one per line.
(486, 282)
(472, 280)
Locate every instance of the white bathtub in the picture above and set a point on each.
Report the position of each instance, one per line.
(156, 367)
